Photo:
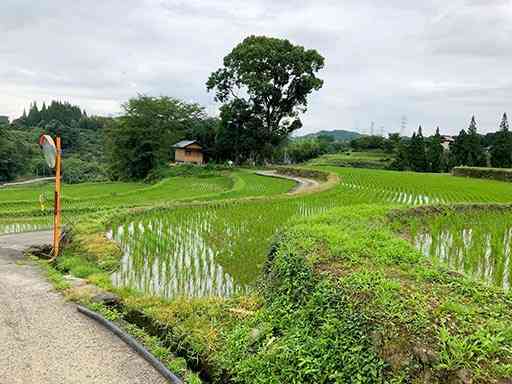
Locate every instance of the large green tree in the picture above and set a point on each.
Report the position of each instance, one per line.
(272, 78)
(501, 151)
(467, 148)
(13, 155)
(141, 139)
(473, 146)
(401, 161)
(435, 153)
(237, 138)
(417, 152)
(458, 154)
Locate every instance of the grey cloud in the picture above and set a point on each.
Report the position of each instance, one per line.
(433, 62)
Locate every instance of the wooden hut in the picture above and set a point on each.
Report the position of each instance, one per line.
(188, 151)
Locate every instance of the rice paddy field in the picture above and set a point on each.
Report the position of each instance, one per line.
(250, 282)
(476, 244)
(219, 248)
(369, 159)
(30, 208)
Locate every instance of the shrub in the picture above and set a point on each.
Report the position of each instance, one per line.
(76, 171)
(502, 174)
(184, 170)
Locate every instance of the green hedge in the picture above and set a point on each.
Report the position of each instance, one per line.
(503, 174)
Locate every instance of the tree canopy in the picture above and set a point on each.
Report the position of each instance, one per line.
(417, 152)
(435, 153)
(467, 148)
(271, 78)
(501, 151)
(15, 150)
(142, 138)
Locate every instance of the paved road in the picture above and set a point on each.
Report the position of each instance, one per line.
(43, 339)
(27, 182)
(303, 184)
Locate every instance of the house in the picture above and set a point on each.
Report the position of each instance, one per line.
(188, 151)
(4, 120)
(446, 141)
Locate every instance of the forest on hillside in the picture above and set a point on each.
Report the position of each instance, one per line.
(82, 143)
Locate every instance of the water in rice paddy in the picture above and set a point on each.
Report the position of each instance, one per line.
(198, 252)
(18, 227)
(477, 251)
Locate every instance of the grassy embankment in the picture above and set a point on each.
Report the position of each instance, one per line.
(367, 159)
(343, 297)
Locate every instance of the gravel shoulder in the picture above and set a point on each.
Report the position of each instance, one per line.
(45, 340)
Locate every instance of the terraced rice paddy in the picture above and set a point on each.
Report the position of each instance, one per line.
(475, 244)
(22, 204)
(419, 188)
(370, 159)
(203, 251)
(219, 248)
(27, 225)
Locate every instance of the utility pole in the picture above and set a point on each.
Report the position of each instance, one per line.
(403, 126)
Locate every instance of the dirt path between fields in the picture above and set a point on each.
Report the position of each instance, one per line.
(303, 184)
(45, 340)
(27, 182)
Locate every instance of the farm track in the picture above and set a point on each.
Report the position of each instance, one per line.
(44, 338)
(33, 181)
(303, 184)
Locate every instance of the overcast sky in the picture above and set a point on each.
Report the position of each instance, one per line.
(436, 62)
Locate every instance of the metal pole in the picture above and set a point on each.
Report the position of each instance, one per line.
(57, 207)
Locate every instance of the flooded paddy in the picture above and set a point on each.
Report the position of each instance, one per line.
(477, 245)
(203, 250)
(24, 225)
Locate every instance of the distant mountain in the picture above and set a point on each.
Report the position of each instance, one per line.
(338, 134)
